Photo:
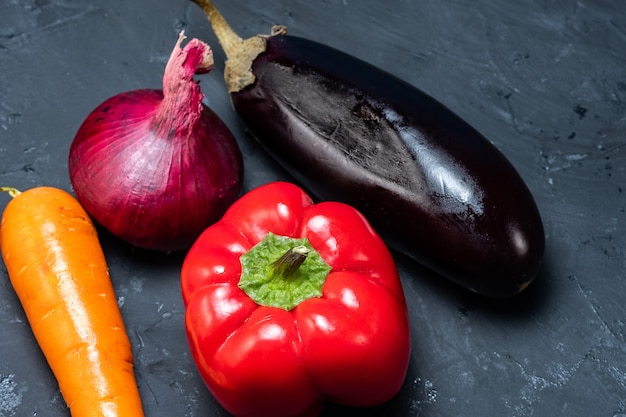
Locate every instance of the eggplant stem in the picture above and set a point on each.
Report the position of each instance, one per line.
(227, 37)
(240, 53)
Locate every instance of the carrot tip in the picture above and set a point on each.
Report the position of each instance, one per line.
(13, 192)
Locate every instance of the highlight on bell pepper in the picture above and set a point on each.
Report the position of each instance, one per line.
(290, 304)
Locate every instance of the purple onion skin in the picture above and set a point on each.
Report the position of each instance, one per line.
(136, 202)
(432, 185)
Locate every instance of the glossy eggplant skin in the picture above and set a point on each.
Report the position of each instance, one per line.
(433, 186)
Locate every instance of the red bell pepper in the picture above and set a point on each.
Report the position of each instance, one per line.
(290, 304)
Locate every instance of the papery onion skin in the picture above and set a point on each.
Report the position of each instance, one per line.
(156, 173)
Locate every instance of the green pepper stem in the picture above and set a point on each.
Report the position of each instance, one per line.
(288, 264)
(281, 271)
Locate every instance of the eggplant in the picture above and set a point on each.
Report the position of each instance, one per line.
(433, 186)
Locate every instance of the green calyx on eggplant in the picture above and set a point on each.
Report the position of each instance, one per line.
(434, 187)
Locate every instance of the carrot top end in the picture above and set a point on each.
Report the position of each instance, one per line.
(13, 192)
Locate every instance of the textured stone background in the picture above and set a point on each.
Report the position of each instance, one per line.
(544, 80)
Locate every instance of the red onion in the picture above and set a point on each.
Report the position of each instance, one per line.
(157, 167)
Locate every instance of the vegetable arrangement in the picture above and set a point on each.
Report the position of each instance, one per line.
(290, 303)
(57, 268)
(431, 184)
(156, 167)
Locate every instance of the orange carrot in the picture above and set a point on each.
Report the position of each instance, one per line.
(56, 265)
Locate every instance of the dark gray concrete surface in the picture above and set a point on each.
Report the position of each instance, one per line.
(544, 80)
